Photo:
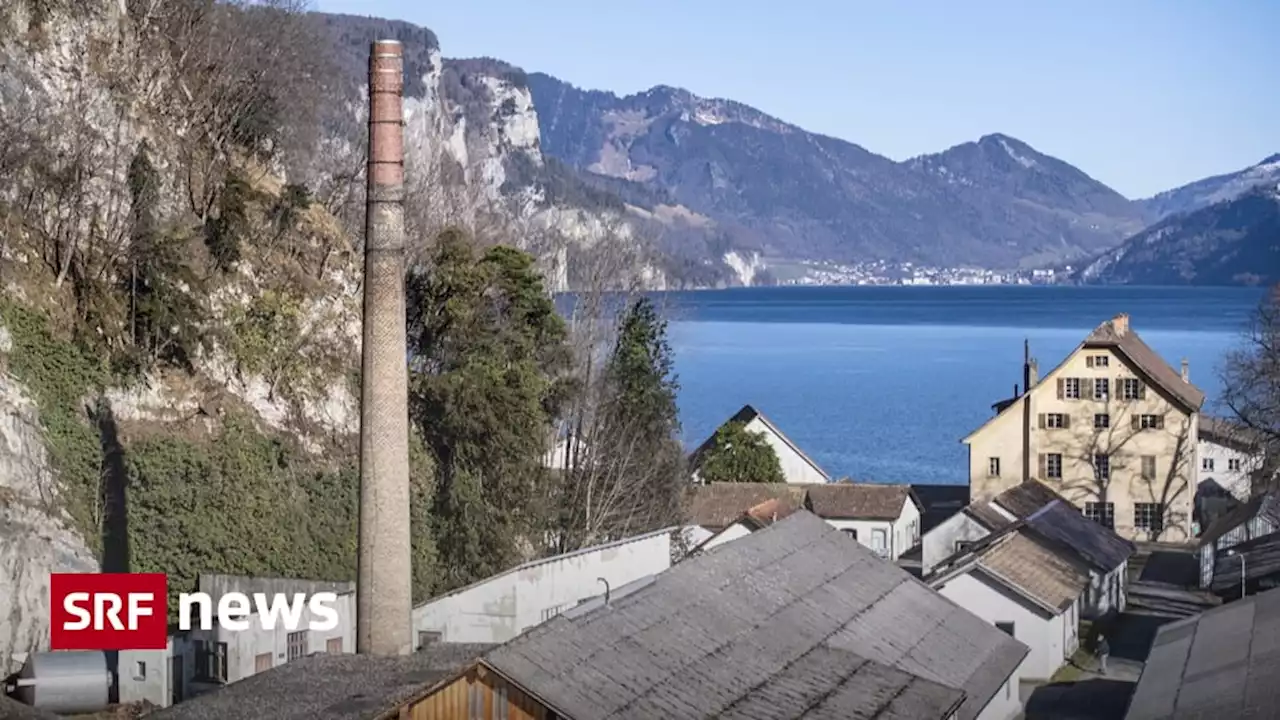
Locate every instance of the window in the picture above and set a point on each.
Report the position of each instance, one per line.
(993, 467)
(1051, 465)
(1071, 388)
(1233, 463)
(427, 637)
(1148, 467)
(1101, 388)
(962, 545)
(211, 661)
(261, 663)
(851, 532)
(1102, 466)
(1054, 421)
(1149, 517)
(1132, 389)
(1147, 422)
(333, 646)
(140, 670)
(297, 644)
(1102, 513)
(1207, 464)
(879, 542)
(1101, 421)
(548, 613)
(1006, 627)
(1097, 361)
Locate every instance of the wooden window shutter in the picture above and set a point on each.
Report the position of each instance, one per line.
(1160, 422)
(1041, 419)
(1120, 387)
(1142, 390)
(1086, 388)
(1066, 422)
(1044, 466)
(1135, 422)
(1061, 390)
(1088, 361)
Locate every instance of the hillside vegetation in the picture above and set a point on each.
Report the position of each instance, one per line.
(185, 313)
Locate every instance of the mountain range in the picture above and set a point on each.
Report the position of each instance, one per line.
(724, 192)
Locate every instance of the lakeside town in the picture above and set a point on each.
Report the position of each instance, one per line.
(886, 273)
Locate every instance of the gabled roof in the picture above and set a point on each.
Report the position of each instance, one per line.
(744, 416)
(1057, 520)
(1025, 566)
(847, 500)
(796, 620)
(1222, 663)
(1266, 505)
(330, 687)
(1229, 433)
(1115, 334)
(987, 516)
(719, 505)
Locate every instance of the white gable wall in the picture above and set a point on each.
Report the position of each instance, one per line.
(733, 532)
(795, 468)
(1051, 639)
(500, 608)
(940, 542)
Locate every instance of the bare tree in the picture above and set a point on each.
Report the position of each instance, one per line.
(1251, 388)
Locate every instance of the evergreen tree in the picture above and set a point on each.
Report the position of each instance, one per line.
(739, 455)
(487, 347)
(629, 476)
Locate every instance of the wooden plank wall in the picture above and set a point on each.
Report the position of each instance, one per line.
(477, 695)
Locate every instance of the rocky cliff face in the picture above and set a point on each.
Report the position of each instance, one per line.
(36, 535)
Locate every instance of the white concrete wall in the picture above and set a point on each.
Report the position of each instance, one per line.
(898, 535)
(1237, 481)
(144, 676)
(502, 607)
(1006, 704)
(244, 646)
(940, 542)
(1047, 637)
(795, 468)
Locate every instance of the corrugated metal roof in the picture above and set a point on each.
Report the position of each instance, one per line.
(329, 687)
(1223, 663)
(746, 630)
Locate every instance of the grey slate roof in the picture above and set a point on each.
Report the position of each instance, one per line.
(794, 620)
(1224, 663)
(1061, 523)
(329, 687)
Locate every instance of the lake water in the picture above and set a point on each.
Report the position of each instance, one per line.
(881, 383)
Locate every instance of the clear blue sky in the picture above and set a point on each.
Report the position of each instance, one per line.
(1143, 95)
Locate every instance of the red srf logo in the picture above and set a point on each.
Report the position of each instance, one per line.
(108, 611)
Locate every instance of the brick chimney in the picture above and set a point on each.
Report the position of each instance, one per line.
(1186, 371)
(384, 602)
(1120, 324)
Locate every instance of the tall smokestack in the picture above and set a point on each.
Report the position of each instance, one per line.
(383, 601)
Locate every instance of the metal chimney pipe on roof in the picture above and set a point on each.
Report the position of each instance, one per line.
(383, 599)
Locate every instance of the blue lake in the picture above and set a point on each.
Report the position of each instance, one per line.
(881, 383)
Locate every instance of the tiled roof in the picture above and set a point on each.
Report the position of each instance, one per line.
(1034, 570)
(987, 516)
(1062, 524)
(796, 620)
(719, 505)
(1222, 431)
(744, 416)
(1026, 497)
(1119, 336)
(1223, 663)
(329, 687)
(857, 501)
(1054, 518)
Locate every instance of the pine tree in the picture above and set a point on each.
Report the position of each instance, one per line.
(740, 455)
